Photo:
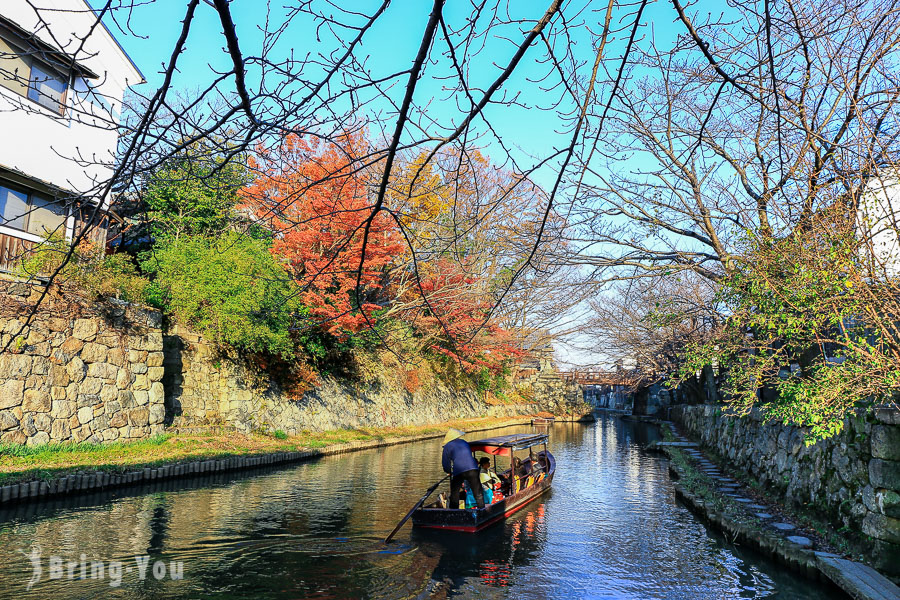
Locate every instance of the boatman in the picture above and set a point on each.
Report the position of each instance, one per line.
(458, 461)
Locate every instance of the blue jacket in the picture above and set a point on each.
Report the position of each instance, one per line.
(458, 454)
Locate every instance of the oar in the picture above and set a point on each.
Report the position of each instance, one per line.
(409, 514)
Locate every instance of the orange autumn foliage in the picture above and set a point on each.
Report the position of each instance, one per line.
(316, 198)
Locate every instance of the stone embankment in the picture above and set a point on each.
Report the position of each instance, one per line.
(203, 388)
(90, 376)
(105, 372)
(851, 479)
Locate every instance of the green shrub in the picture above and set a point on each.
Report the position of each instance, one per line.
(230, 289)
(193, 193)
(87, 270)
(279, 435)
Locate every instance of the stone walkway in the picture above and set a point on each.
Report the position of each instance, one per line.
(732, 489)
(856, 579)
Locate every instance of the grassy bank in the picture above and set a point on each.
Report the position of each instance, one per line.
(23, 463)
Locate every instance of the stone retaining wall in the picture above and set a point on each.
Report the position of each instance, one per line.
(204, 388)
(853, 478)
(94, 375)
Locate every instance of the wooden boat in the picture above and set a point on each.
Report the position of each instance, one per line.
(542, 420)
(540, 467)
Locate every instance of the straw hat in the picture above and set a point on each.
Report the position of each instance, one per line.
(452, 434)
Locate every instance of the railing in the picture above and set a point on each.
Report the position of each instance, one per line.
(12, 251)
(612, 378)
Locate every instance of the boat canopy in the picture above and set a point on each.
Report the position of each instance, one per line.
(503, 445)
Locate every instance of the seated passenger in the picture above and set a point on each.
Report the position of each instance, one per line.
(487, 475)
(489, 480)
(519, 467)
(470, 501)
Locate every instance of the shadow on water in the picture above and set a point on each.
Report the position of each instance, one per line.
(609, 528)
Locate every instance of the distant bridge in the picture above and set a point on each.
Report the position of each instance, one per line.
(597, 377)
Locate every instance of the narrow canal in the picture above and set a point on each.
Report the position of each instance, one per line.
(610, 528)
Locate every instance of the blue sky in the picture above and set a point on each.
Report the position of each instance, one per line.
(391, 46)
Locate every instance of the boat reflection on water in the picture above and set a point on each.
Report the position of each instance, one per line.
(492, 556)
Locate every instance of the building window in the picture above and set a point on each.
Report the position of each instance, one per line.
(13, 208)
(31, 212)
(47, 89)
(22, 73)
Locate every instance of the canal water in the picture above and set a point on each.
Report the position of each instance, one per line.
(610, 528)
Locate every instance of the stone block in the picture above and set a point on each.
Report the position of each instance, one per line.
(126, 398)
(154, 341)
(887, 415)
(118, 420)
(137, 356)
(94, 353)
(885, 557)
(141, 397)
(76, 370)
(155, 359)
(154, 319)
(57, 324)
(110, 340)
(8, 420)
(90, 385)
(157, 414)
(38, 439)
(139, 368)
(69, 348)
(12, 393)
(62, 409)
(124, 379)
(116, 356)
(58, 376)
(885, 442)
(88, 400)
(60, 430)
(103, 371)
(42, 421)
(84, 329)
(108, 394)
(100, 421)
(85, 415)
(13, 437)
(884, 473)
(14, 366)
(157, 394)
(141, 382)
(81, 434)
(36, 401)
(155, 373)
(138, 417)
(882, 527)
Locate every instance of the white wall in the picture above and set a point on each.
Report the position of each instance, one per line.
(75, 152)
(879, 219)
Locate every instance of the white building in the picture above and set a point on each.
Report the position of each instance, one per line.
(62, 81)
(879, 223)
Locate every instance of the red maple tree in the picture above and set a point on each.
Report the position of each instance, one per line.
(457, 316)
(315, 196)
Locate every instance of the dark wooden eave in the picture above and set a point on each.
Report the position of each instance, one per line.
(42, 50)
